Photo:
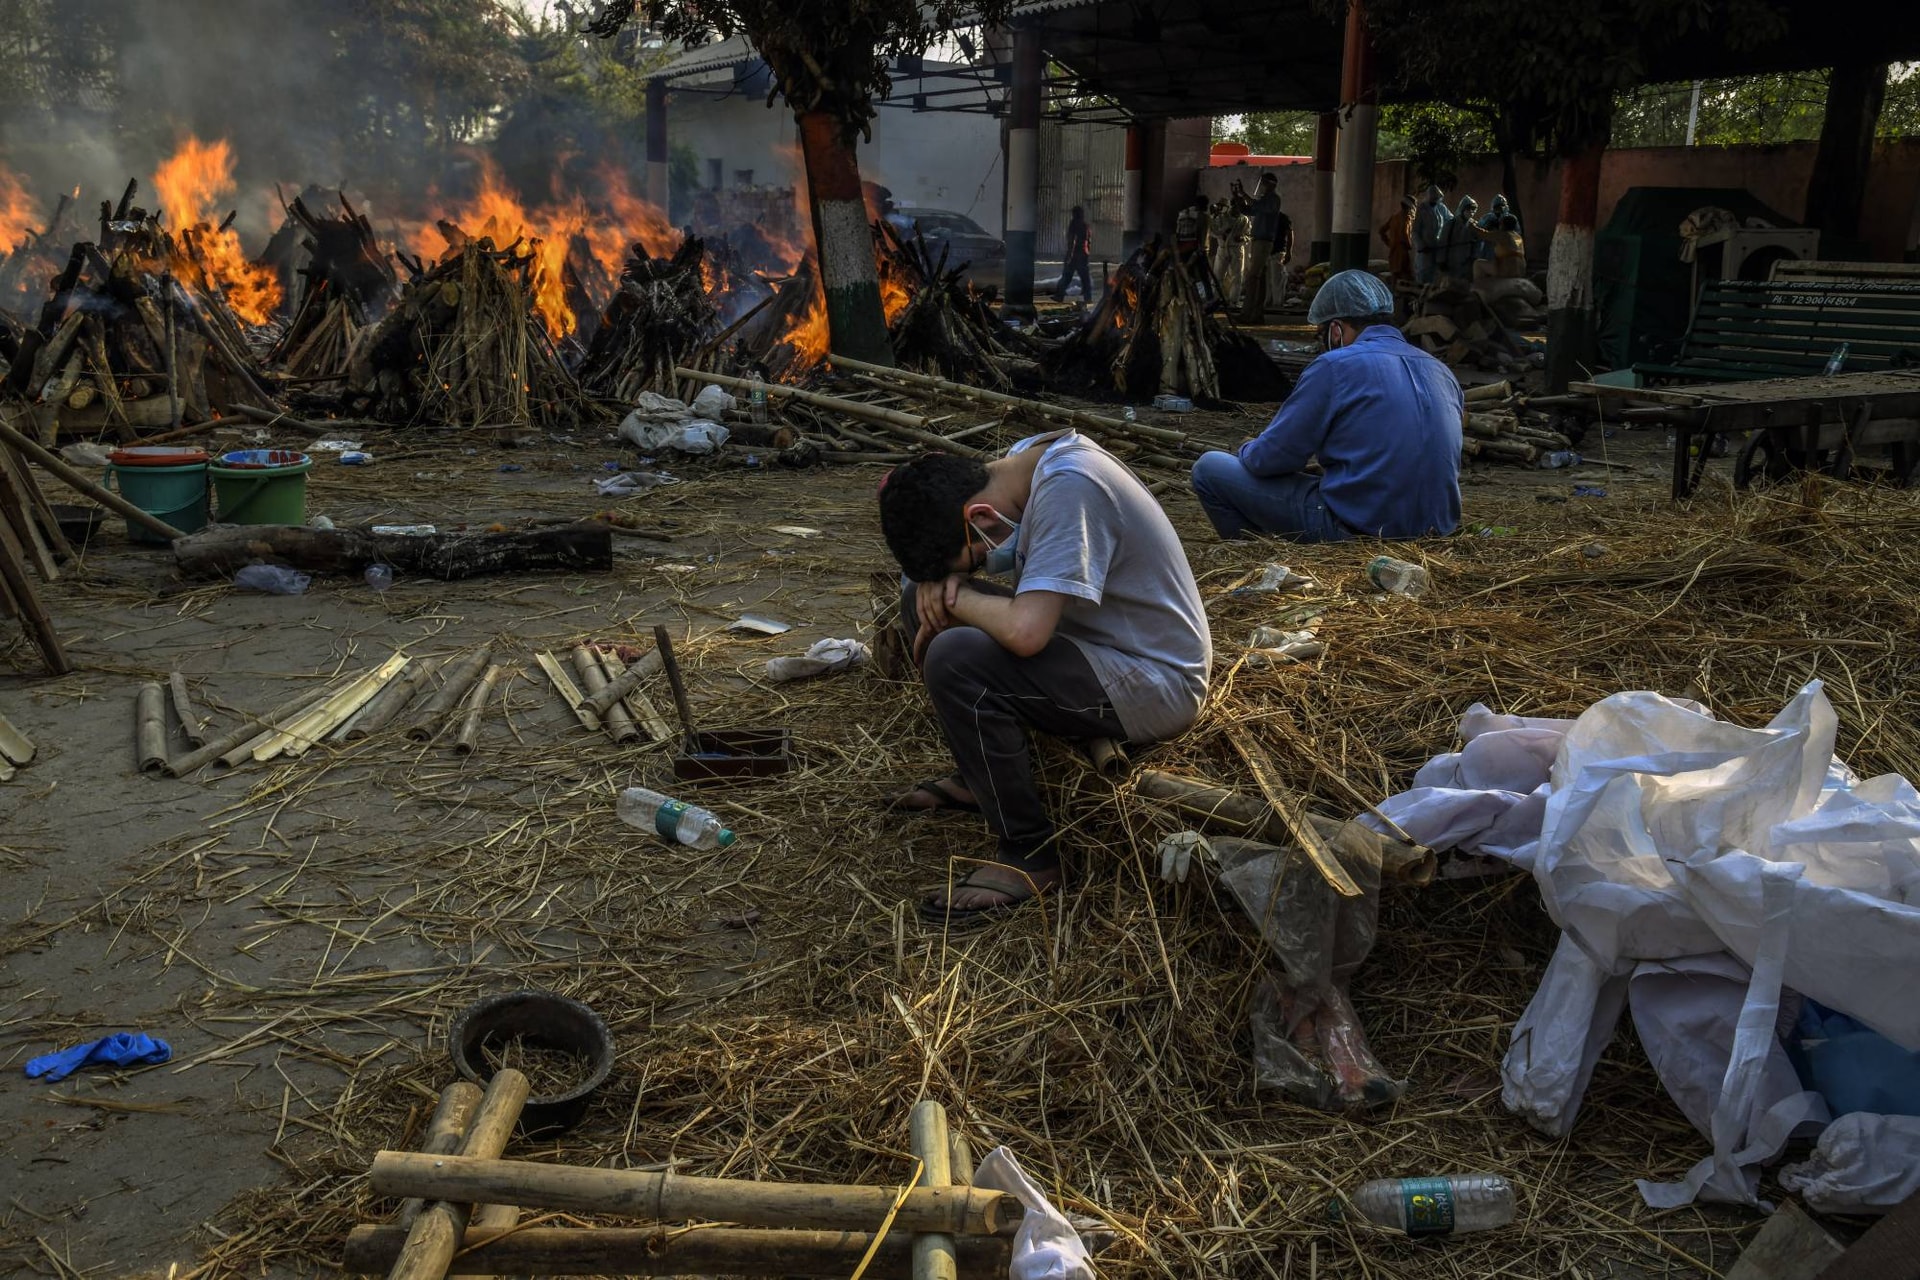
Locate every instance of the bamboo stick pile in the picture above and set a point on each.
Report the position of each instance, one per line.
(1501, 428)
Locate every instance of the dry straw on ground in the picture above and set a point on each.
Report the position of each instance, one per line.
(778, 1009)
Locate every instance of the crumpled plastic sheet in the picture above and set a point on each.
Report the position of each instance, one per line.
(1863, 1163)
(1307, 1039)
(821, 658)
(1045, 1246)
(1661, 837)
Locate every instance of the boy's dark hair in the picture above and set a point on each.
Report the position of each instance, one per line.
(921, 511)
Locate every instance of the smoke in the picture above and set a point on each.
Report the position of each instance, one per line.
(279, 79)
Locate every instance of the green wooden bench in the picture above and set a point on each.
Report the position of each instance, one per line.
(1745, 330)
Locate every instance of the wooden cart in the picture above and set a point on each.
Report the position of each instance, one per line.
(1832, 424)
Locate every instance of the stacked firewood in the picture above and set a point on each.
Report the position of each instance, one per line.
(348, 283)
(464, 347)
(1501, 428)
(1461, 327)
(136, 332)
(1153, 332)
(661, 316)
(947, 327)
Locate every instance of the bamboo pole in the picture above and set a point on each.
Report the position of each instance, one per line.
(569, 692)
(476, 710)
(644, 713)
(248, 729)
(461, 674)
(626, 682)
(150, 728)
(260, 734)
(451, 1117)
(392, 700)
(617, 721)
(190, 722)
(14, 745)
(701, 1251)
(1310, 841)
(1036, 408)
(80, 484)
(435, 1235)
(933, 1253)
(905, 425)
(323, 719)
(667, 1197)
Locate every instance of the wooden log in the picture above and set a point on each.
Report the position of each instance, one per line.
(653, 1251)
(80, 484)
(1219, 808)
(391, 701)
(1489, 391)
(616, 719)
(459, 678)
(435, 1235)
(26, 600)
(15, 745)
(150, 728)
(934, 1257)
(1509, 450)
(906, 425)
(246, 731)
(17, 502)
(222, 550)
(448, 1128)
(476, 709)
(669, 1197)
(190, 722)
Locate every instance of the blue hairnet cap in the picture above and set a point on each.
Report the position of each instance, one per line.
(1350, 295)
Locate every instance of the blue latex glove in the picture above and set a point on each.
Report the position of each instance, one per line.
(121, 1049)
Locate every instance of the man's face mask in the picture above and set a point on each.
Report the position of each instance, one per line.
(1000, 554)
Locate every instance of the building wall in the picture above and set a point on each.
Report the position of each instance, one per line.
(1080, 164)
(933, 160)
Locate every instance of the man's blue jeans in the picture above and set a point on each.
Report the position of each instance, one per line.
(1240, 503)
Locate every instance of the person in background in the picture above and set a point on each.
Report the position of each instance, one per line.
(1396, 233)
(1429, 232)
(1383, 418)
(1079, 255)
(1509, 261)
(1101, 634)
(1460, 243)
(1219, 227)
(1239, 233)
(1190, 229)
(1497, 211)
(1265, 231)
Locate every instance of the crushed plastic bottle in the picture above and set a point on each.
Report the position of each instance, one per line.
(1838, 360)
(672, 819)
(274, 579)
(1129, 414)
(1437, 1206)
(1559, 459)
(1398, 577)
(379, 576)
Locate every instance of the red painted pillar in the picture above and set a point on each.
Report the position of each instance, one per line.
(1571, 341)
(1133, 191)
(1353, 158)
(856, 326)
(1326, 132)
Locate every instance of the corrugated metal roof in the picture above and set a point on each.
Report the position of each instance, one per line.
(721, 55)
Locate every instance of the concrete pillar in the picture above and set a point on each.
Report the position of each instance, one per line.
(1570, 328)
(1023, 169)
(657, 143)
(1133, 191)
(1353, 155)
(1326, 132)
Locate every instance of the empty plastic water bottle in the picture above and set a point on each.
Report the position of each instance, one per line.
(1129, 414)
(673, 819)
(379, 576)
(1398, 577)
(1560, 458)
(757, 400)
(1838, 360)
(1437, 1206)
(274, 579)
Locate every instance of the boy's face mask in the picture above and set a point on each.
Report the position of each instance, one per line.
(999, 558)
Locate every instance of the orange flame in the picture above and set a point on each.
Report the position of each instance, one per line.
(549, 231)
(19, 212)
(808, 335)
(191, 185)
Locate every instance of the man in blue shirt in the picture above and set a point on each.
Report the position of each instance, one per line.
(1383, 418)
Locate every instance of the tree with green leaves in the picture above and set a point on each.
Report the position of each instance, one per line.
(1547, 76)
(829, 60)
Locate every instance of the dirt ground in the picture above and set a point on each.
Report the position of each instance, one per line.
(286, 926)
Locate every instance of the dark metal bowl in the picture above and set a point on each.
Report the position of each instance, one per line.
(545, 1021)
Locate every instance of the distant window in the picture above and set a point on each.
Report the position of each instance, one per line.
(714, 171)
(743, 177)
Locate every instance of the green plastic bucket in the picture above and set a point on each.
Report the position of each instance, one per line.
(261, 486)
(170, 484)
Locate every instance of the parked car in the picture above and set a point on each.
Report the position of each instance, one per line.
(965, 241)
